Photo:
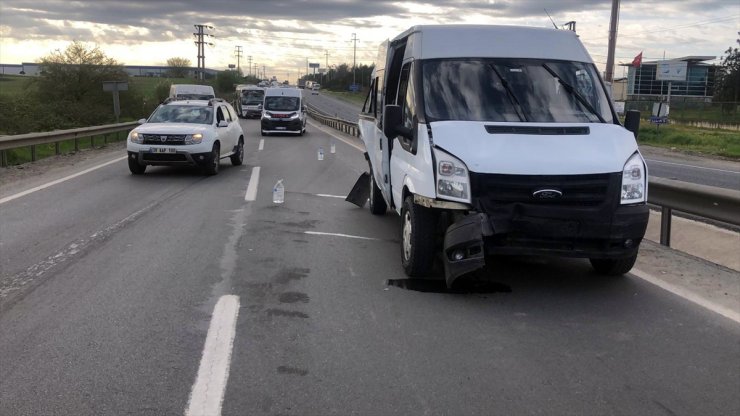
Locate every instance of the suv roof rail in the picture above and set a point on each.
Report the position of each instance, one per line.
(218, 100)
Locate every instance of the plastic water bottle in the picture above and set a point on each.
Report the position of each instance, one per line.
(321, 153)
(333, 147)
(278, 192)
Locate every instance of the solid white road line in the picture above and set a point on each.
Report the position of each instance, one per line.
(341, 235)
(333, 196)
(688, 295)
(207, 394)
(254, 181)
(262, 144)
(692, 166)
(64, 179)
(330, 133)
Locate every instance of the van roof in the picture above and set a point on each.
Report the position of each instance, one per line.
(288, 92)
(493, 41)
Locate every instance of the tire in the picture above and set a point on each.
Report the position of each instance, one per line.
(377, 203)
(613, 267)
(238, 157)
(135, 167)
(263, 132)
(417, 238)
(213, 164)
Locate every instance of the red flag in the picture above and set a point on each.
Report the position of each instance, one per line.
(637, 61)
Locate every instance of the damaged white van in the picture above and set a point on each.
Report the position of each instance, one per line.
(500, 140)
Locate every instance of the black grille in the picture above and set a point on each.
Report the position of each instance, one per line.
(170, 139)
(164, 157)
(577, 190)
(569, 131)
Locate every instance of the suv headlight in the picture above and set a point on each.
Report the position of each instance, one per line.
(135, 137)
(634, 180)
(453, 181)
(193, 138)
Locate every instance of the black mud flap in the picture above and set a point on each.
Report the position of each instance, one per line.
(361, 191)
(463, 247)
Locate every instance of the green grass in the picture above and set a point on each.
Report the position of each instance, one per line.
(356, 98)
(23, 155)
(14, 84)
(724, 143)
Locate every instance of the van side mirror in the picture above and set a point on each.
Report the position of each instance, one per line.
(391, 120)
(305, 108)
(632, 122)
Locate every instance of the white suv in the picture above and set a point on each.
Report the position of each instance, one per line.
(194, 132)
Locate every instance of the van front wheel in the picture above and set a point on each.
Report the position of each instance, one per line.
(377, 203)
(417, 238)
(613, 267)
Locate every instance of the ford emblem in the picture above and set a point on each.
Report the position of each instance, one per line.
(163, 138)
(547, 194)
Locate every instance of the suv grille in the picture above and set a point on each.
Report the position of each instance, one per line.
(169, 139)
(577, 190)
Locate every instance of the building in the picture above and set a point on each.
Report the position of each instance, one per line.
(33, 69)
(699, 84)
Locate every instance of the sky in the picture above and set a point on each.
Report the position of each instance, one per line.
(282, 35)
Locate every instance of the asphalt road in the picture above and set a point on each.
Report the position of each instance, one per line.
(663, 164)
(108, 284)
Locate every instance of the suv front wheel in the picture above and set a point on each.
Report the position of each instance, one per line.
(213, 164)
(135, 167)
(238, 157)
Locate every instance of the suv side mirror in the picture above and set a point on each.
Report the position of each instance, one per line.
(632, 122)
(141, 121)
(223, 123)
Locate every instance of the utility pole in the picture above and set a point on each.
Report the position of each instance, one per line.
(201, 44)
(613, 24)
(354, 58)
(238, 59)
(250, 64)
(327, 59)
(264, 74)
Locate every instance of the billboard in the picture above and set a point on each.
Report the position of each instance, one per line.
(671, 71)
(313, 65)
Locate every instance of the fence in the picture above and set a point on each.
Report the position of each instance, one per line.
(724, 115)
(32, 140)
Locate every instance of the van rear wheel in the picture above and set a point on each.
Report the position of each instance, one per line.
(417, 238)
(613, 267)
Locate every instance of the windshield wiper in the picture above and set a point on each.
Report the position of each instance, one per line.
(517, 106)
(575, 93)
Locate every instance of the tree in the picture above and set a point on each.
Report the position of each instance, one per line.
(179, 67)
(727, 79)
(70, 87)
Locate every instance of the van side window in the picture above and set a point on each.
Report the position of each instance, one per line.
(406, 96)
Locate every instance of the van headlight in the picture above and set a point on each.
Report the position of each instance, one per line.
(634, 180)
(194, 138)
(453, 181)
(135, 137)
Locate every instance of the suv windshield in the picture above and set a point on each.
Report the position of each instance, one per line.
(514, 90)
(253, 97)
(281, 103)
(182, 114)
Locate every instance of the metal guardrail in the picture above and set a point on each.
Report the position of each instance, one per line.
(344, 126)
(710, 202)
(718, 204)
(33, 139)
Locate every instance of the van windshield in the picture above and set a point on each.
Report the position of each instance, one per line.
(514, 90)
(252, 97)
(282, 103)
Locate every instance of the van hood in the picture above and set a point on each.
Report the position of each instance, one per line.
(514, 149)
(172, 128)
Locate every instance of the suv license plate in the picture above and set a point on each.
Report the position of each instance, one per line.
(163, 150)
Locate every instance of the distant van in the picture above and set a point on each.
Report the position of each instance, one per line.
(191, 92)
(283, 111)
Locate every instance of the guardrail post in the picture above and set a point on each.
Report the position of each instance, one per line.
(57, 148)
(665, 226)
(92, 142)
(33, 153)
(105, 138)
(3, 158)
(77, 144)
